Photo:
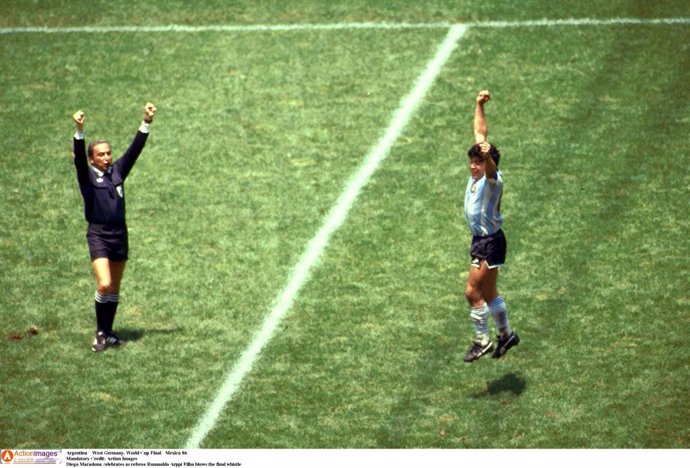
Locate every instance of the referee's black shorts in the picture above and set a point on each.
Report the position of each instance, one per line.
(491, 249)
(109, 242)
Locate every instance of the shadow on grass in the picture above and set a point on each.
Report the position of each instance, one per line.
(135, 334)
(509, 383)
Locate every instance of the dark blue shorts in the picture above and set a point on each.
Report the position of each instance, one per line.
(109, 242)
(491, 249)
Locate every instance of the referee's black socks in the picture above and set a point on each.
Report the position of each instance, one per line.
(111, 311)
(106, 308)
(101, 306)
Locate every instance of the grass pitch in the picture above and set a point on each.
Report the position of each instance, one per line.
(257, 135)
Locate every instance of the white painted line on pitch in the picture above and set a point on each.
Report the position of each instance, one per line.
(582, 22)
(224, 28)
(181, 28)
(335, 218)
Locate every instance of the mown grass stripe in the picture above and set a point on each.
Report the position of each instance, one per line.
(181, 28)
(335, 218)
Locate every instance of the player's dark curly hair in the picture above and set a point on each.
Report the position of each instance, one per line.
(476, 152)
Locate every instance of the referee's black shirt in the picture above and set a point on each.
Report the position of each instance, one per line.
(103, 193)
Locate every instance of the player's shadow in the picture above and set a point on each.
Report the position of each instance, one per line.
(509, 383)
(136, 334)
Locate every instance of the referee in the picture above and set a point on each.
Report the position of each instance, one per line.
(488, 251)
(102, 187)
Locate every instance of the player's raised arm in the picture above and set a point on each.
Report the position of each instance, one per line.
(481, 130)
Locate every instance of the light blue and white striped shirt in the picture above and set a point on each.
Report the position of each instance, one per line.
(483, 205)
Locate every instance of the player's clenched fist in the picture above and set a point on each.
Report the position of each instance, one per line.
(483, 96)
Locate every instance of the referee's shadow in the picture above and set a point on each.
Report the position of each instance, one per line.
(136, 334)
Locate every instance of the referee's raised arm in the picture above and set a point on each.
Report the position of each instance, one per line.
(79, 148)
(130, 156)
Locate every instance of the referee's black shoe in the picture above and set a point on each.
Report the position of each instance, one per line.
(98, 344)
(478, 350)
(112, 341)
(505, 343)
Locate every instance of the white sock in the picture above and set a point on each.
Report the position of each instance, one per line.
(480, 316)
(500, 314)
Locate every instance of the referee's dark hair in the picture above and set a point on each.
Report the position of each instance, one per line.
(476, 152)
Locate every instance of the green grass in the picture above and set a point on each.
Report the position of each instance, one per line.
(256, 136)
